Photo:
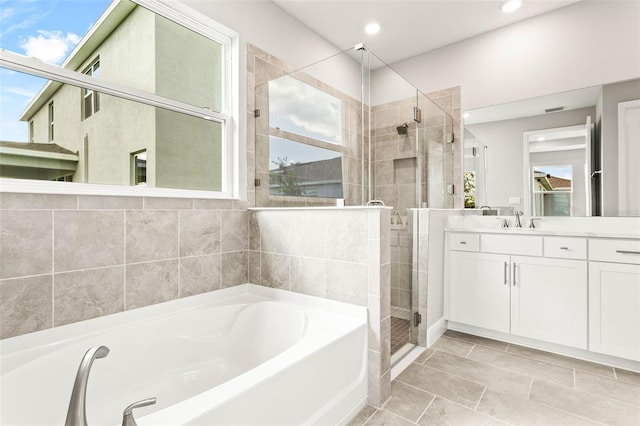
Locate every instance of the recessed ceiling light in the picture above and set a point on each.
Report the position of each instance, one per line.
(372, 28)
(509, 6)
(540, 138)
(466, 115)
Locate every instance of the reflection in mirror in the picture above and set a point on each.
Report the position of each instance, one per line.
(501, 129)
(559, 162)
(552, 190)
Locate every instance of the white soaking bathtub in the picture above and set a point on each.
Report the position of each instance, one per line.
(246, 355)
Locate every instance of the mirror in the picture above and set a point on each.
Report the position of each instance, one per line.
(509, 149)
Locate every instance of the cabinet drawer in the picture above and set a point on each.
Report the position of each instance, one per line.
(614, 250)
(565, 247)
(464, 242)
(522, 245)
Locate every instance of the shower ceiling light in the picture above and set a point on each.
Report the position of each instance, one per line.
(372, 28)
(509, 6)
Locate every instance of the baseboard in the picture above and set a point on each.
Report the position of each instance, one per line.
(583, 354)
(435, 331)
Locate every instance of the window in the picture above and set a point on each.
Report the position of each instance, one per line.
(305, 151)
(90, 98)
(139, 168)
(173, 93)
(51, 121)
(552, 189)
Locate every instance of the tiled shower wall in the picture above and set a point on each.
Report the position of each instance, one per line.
(335, 253)
(67, 258)
(399, 162)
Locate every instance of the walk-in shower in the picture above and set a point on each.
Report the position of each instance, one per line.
(348, 127)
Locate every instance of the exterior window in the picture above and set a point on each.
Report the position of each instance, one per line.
(91, 99)
(305, 142)
(173, 92)
(51, 121)
(139, 168)
(31, 129)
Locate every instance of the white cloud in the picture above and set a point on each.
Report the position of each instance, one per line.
(20, 92)
(50, 46)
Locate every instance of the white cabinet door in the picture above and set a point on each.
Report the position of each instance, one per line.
(614, 309)
(479, 290)
(549, 300)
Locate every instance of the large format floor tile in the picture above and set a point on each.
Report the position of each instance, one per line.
(469, 380)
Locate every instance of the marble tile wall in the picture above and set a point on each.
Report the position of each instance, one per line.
(341, 254)
(67, 258)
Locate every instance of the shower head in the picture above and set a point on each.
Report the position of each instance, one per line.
(402, 129)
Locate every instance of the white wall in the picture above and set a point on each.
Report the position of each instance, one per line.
(585, 44)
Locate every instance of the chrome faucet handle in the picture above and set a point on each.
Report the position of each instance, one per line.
(77, 414)
(127, 414)
(532, 223)
(518, 224)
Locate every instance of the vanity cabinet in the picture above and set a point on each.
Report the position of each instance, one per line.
(479, 291)
(508, 285)
(614, 297)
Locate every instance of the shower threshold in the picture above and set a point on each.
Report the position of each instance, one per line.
(404, 357)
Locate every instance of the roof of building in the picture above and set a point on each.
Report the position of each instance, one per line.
(115, 13)
(40, 147)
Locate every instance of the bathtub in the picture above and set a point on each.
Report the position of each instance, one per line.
(246, 355)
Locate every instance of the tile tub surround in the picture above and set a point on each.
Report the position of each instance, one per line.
(341, 254)
(464, 379)
(67, 258)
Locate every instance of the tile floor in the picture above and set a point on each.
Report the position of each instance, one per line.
(400, 333)
(469, 380)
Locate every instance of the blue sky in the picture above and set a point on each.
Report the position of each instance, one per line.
(44, 29)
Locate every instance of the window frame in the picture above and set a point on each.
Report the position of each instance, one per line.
(51, 120)
(86, 93)
(229, 117)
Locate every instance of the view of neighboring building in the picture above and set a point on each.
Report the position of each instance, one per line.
(552, 195)
(79, 135)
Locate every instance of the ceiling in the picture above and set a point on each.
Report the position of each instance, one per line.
(409, 27)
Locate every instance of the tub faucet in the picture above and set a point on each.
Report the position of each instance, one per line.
(77, 414)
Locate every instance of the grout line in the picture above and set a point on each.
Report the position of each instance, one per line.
(53, 266)
(124, 257)
(370, 417)
(427, 407)
(468, 353)
(480, 399)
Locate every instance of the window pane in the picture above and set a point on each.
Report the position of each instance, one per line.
(297, 169)
(182, 151)
(136, 47)
(552, 187)
(302, 109)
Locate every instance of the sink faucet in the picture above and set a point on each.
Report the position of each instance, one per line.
(77, 414)
(518, 224)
